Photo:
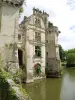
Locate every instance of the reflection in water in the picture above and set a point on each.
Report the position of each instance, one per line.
(68, 85)
(53, 89)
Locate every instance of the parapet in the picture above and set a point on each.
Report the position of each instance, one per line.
(16, 3)
(37, 11)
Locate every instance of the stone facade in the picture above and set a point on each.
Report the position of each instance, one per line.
(32, 31)
(52, 51)
(25, 46)
(9, 26)
(34, 34)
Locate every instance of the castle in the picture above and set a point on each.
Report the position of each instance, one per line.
(39, 40)
(32, 45)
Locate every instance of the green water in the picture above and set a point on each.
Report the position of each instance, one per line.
(53, 89)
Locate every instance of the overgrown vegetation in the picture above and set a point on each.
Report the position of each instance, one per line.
(21, 10)
(62, 53)
(6, 92)
(19, 76)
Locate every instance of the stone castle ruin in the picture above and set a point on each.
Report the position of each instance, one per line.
(9, 28)
(32, 44)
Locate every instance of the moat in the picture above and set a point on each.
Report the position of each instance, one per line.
(53, 88)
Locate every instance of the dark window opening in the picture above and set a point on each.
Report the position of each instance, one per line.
(16, 5)
(46, 41)
(37, 21)
(20, 57)
(47, 63)
(49, 32)
(37, 36)
(6, 1)
(38, 51)
(47, 53)
(19, 37)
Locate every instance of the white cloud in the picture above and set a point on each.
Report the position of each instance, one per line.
(61, 15)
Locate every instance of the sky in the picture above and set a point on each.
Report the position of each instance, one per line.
(61, 14)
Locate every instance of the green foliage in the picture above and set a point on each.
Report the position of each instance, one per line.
(19, 76)
(70, 51)
(0, 61)
(50, 24)
(70, 58)
(21, 10)
(61, 53)
(7, 93)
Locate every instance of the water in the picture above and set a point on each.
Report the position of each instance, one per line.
(53, 89)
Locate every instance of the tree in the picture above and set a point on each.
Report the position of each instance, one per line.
(70, 57)
(61, 53)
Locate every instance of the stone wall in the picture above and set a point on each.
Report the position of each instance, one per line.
(8, 35)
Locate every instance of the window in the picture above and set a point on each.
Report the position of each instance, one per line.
(49, 32)
(37, 21)
(47, 53)
(46, 41)
(37, 36)
(47, 63)
(19, 37)
(38, 51)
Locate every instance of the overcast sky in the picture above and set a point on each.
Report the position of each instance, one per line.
(61, 13)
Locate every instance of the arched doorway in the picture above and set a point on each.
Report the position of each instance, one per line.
(20, 57)
(37, 69)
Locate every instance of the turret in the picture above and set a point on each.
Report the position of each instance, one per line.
(45, 18)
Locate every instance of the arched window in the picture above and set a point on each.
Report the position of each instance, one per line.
(37, 68)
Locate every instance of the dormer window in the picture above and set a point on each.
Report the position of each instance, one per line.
(37, 36)
(37, 21)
